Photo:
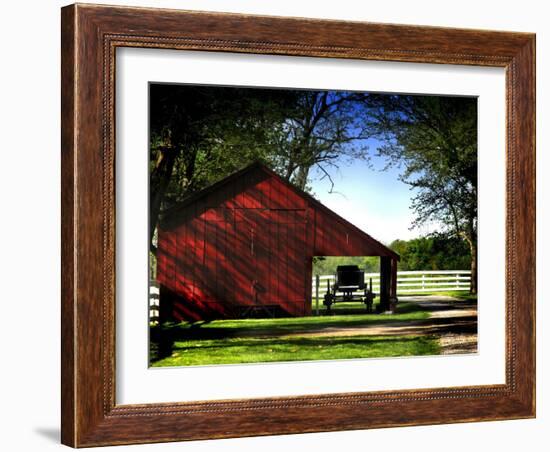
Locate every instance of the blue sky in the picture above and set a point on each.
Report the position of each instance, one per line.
(371, 198)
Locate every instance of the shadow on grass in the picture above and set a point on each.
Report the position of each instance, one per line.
(163, 337)
(168, 338)
(235, 328)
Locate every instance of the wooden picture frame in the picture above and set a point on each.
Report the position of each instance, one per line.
(90, 36)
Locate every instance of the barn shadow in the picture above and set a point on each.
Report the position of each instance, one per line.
(170, 337)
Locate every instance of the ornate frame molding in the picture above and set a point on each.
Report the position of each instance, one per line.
(90, 36)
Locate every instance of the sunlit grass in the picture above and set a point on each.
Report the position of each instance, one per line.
(462, 294)
(266, 340)
(405, 312)
(255, 350)
(358, 306)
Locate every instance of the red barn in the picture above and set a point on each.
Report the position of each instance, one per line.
(248, 241)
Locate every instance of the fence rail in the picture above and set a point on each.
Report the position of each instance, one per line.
(154, 301)
(411, 281)
(407, 282)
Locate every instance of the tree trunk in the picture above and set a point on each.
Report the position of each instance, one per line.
(473, 268)
(160, 178)
(301, 178)
(472, 243)
(289, 169)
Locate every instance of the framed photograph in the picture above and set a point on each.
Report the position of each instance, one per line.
(281, 225)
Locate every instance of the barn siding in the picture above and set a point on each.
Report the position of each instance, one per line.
(166, 265)
(335, 238)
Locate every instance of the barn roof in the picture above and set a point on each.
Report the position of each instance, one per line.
(171, 214)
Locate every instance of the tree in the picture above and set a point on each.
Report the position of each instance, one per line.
(323, 127)
(326, 265)
(435, 139)
(201, 134)
(434, 252)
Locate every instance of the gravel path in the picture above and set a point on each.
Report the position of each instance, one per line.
(452, 319)
(462, 317)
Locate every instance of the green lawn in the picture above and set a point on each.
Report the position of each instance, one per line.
(263, 340)
(254, 350)
(357, 306)
(462, 294)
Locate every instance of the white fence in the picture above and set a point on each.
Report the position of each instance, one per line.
(153, 301)
(411, 282)
(407, 282)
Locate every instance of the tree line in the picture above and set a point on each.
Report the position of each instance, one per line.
(433, 252)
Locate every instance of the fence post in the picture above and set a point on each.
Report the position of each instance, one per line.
(317, 294)
(458, 281)
(423, 281)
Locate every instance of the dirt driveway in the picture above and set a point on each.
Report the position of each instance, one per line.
(452, 319)
(455, 321)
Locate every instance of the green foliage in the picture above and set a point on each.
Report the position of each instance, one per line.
(434, 252)
(326, 265)
(437, 252)
(211, 132)
(434, 138)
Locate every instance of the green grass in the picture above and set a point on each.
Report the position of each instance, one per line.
(263, 340)
(463, 295)
(231, 328)
(358, 306)
(254, 350)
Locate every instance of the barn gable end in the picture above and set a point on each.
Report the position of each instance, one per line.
(245, 244)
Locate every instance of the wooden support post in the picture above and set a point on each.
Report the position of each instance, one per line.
(393, 285)
(166, 305)
(385, 283)
(317, 294)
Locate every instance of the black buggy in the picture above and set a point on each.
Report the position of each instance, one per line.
(349, 280)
